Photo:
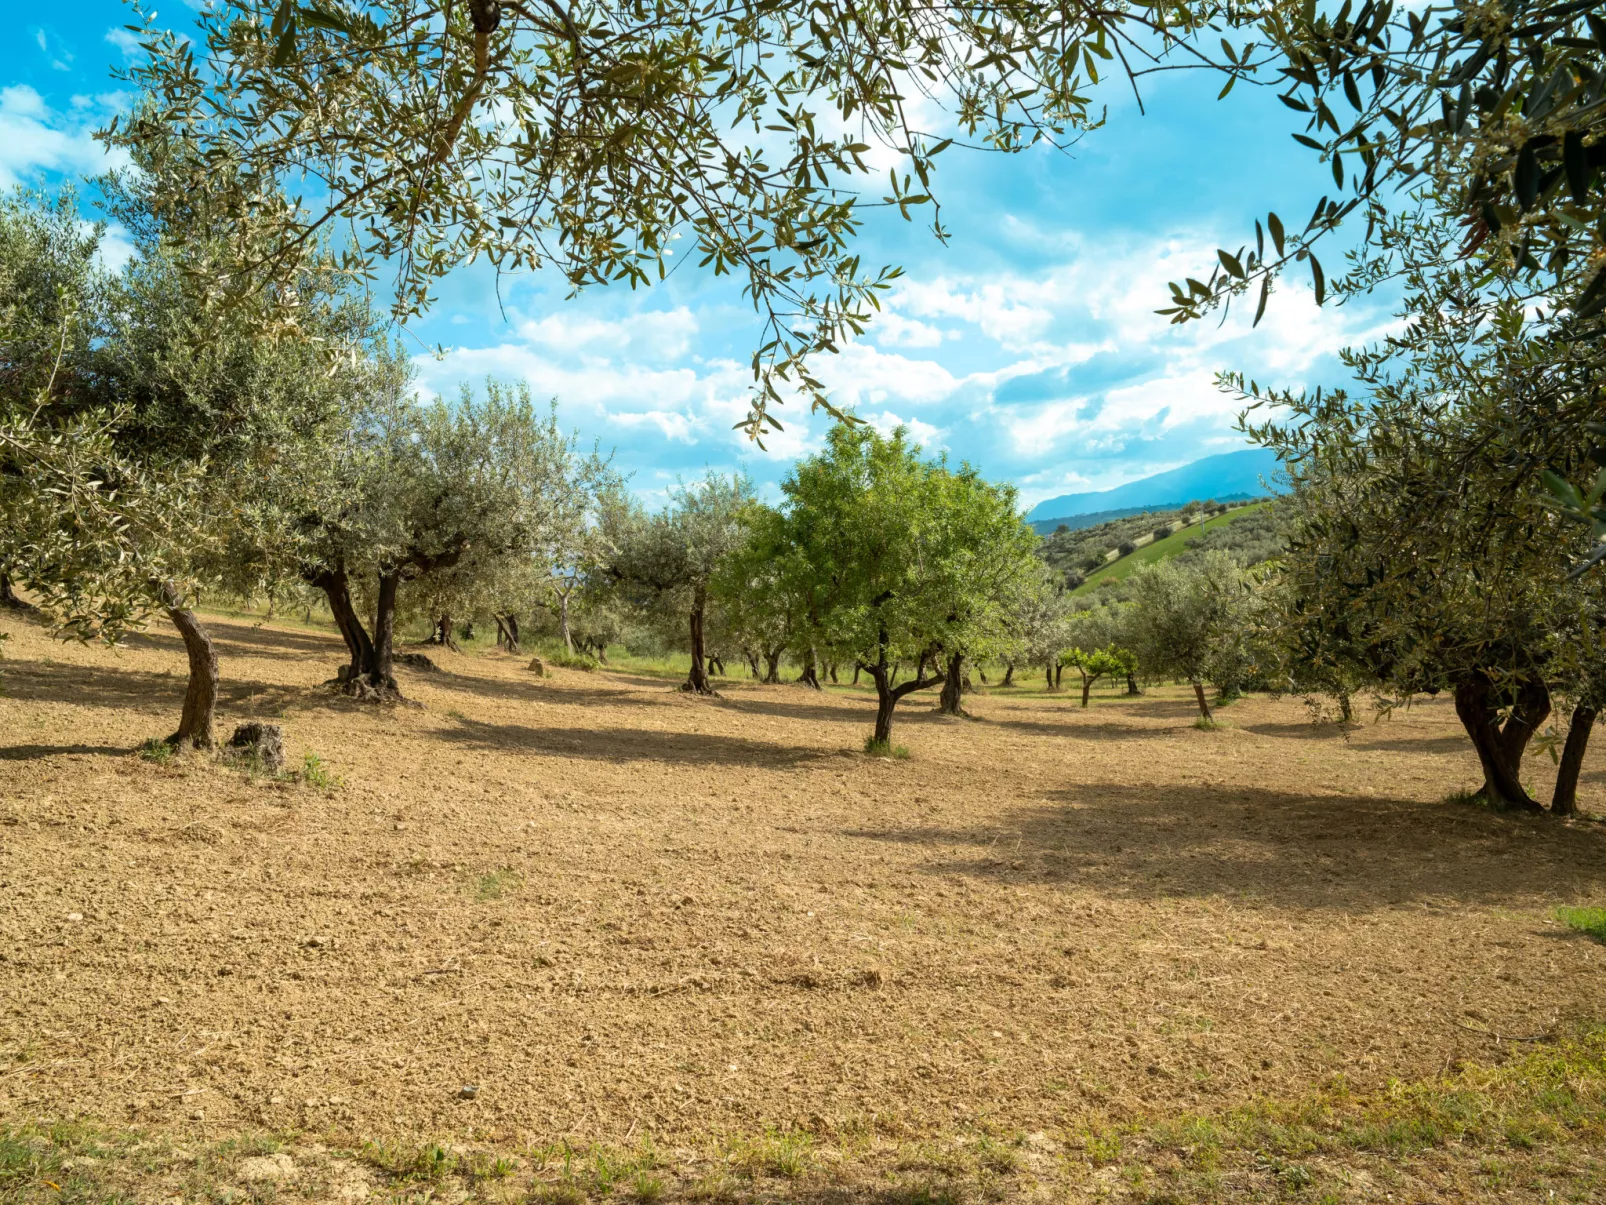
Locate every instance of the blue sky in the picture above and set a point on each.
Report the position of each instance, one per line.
(1027, 345)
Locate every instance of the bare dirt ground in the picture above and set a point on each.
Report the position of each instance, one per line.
(618, 912)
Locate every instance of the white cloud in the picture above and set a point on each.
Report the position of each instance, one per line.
(126, 42)
(657, 334)
(36, 141)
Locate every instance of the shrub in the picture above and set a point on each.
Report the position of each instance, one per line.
(1127, 548)
(875, 748)
(568, 660)
(1161, 533)
(1073, 579)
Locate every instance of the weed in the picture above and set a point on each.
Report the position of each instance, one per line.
(780, 1153)
(875, 748)
(431, 1162)
(316, 774)
(715, 1187)
(647, 1188)
(453, 714)
(493, 885)
(561, 1193)
(158, 752)
(1584, 920)
(1210, 724)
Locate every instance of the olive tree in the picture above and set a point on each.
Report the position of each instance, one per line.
(671, 558)
(1184, 616)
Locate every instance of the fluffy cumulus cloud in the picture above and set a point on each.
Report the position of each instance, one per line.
(38, 141)
(1059, 379)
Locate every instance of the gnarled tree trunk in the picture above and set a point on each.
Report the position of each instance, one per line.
(772, 667)
(953, 686)
(1565, 800)
(1476, 706)
(697, 679)
(337, 589)
(809, 675)
(1132, 685)
(379, 673)
(441, 634)
(200, 693)
(1009, 674)
(8, 596)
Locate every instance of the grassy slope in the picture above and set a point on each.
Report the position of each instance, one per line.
(1177, 542)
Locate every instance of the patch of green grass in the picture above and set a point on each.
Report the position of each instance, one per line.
(646, 1187)
(315, 773)
(158, 752)
(783, 1153)
(495, 884)
(430, 1162)
(567, 660)
(875, 748)
(1584, 920)
(1210, 724)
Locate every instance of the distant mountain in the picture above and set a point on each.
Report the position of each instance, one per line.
(1229, 477)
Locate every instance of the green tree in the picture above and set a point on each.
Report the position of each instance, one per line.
(592, 139)
(671, 558)
(1422, 554)
(1183, 616)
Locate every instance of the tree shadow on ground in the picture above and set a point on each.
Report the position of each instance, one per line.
(30, 752)
(1349, 853)
(233, 638)
(1085, 729)
(628, 744)
(142, 690)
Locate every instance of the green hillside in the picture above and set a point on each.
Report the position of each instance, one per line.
(1175, 543)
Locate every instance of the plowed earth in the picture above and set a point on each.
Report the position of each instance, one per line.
(615, 910)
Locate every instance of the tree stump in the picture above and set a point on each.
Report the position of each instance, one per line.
(538, 667)
(262, 742)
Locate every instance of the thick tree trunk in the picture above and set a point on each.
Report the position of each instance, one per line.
(1346, 708)
(441, 634)
(379, 674)
(1528, 711)
(200, 694)
(856, 668)
(1204, 705)
(359, 647)
(1565, 800)
(809, 676)
(753, 666)
(8, 596)
(772, 667)
(1009, 674)
(1474, 705)
(953, 686)
(507, 632)
(697, 682)
(1059, 672)
(1132, 685)
(716, 666)
(885, 702)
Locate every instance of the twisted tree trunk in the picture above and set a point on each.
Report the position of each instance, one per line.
(337, 589)
(1009, 674)
(772, 667)
(200, 693)
(953, 686)
(1476, 706)
(697, 682)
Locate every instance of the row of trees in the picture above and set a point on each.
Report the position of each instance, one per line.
(153, 448)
